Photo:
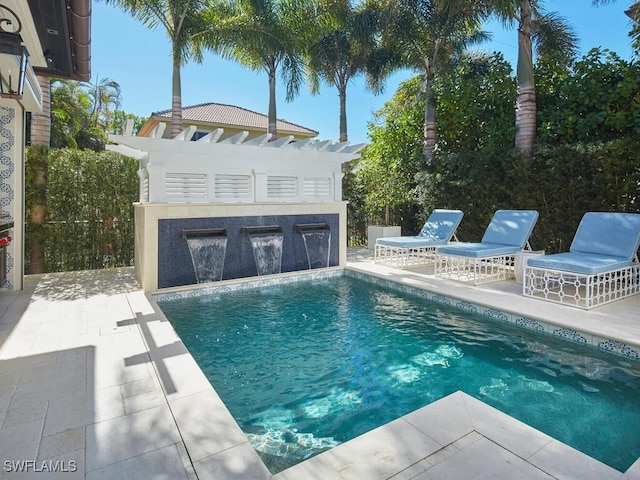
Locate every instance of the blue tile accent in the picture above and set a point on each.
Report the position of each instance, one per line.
(175, 267)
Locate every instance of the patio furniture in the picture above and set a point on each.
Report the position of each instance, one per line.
(492, 258)
(405, 251)
(601, 265)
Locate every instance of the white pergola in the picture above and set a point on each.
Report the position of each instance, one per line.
(208, 170)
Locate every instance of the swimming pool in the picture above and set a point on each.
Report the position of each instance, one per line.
(308, 365)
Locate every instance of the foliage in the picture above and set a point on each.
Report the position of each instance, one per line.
(81, 112)
(561, 183)
(183, 21)
(551, 35)
(348, 49)
(386, 171)
(476, 170)
(266, 35)
(89, 213)
(598, 99)
(428, 35)
(478, 182)
(474, 103)
(118, 122)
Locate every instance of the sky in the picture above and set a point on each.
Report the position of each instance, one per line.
(126, 51)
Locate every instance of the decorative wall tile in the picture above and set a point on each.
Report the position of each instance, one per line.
(441, 299)
(531, 324)
(619, 348)
(7, 170)
(570, 335)
(466, 306)
(496, 314)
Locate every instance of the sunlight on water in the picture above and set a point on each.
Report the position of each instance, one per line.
(404, 373)
(337, 400)
(283, 443)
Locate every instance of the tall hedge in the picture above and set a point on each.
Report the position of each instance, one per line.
(561, 183)
(87, 199)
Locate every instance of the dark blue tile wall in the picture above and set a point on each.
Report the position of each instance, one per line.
(174, 261)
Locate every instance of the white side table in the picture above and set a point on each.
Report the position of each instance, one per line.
(521, 261)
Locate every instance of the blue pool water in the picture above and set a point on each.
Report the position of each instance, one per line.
(306, 366)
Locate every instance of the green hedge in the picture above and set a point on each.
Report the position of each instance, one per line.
(560, 182)
(87, 202)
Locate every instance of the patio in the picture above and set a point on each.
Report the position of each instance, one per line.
(94, 383)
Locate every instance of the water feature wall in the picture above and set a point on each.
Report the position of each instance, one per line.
(255, 246)
(213, 211)
(266, 244)
(207, 248)
(317, 243)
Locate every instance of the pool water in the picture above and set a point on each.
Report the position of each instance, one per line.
(309, 365)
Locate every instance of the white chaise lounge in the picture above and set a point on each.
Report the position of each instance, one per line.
(600, 267)
(406, 251)
(492, 259)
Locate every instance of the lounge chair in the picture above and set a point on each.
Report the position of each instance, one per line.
(601, 265)
(491, 259)
(401, 252)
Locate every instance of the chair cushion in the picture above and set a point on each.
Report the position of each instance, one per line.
(609, 234)
(409, 242)
(511, 227)
(585, 263)
(478, 250)
(441, 225)
(437, 230)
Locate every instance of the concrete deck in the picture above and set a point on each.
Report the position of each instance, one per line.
(95, 384)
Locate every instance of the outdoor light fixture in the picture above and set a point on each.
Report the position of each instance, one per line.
(13, 55)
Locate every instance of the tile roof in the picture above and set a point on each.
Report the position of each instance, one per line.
(219, 113)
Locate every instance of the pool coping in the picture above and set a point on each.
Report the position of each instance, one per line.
(219, 449)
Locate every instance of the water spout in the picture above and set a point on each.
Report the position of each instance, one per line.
(317, 243)
(207, 248)
(266, 243)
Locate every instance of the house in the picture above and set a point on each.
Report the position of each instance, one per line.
(207, 117)
(38, 39)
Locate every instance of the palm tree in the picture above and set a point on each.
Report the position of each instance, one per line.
(265, 35)
(633, 12)
(347, 50)
(182, 21)
(429, 34)
(105, 95)
(549, 33)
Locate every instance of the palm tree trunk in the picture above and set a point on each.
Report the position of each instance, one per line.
(430, 128)
(176, 104)
(273, 126)
(342, 93)
(526, 103)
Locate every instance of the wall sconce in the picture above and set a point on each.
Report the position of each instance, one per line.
(13, 55)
